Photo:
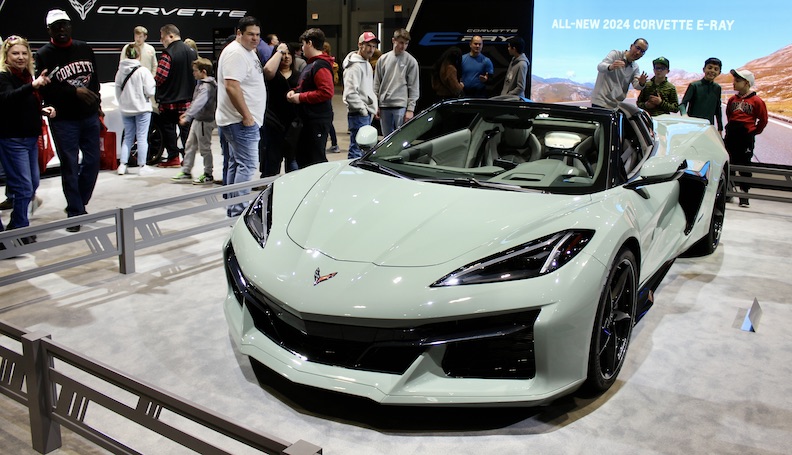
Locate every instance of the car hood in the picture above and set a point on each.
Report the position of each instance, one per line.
(355, 215)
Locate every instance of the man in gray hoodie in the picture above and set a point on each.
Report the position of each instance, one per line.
(359, 97)
(396, 83)
(517, 73)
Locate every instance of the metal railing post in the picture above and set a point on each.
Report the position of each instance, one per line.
(126, 240)
(44, 431)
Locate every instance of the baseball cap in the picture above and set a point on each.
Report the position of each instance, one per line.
(56, 15)
(368, 37)
(745, 74)
(661, 61)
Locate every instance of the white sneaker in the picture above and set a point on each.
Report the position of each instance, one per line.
(35, 203)
(145, 170)
(122, 169)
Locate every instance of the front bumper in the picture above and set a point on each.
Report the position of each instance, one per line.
(529, 355)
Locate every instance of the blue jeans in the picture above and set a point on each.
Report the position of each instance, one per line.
(78, 177)
(136, 127)
(243, 159)
(224, 152)
(391, 118)
(356, 122)
(19, 156)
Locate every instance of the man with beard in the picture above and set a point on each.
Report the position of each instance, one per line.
(74, 93)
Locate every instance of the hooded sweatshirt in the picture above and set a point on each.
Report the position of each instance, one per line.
(135, 98)
(359, 94)
(204, 101)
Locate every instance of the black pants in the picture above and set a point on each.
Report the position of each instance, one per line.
(169, 121)
(313, 140)
(740, 146)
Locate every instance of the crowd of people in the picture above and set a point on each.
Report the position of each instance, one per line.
(271, 102)
(746, 113)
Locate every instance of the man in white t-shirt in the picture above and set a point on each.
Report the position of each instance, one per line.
(241, 103)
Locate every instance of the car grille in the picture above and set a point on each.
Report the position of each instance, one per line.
(493, 347)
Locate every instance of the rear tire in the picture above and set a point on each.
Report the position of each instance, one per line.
(613, 323)
(155, 141)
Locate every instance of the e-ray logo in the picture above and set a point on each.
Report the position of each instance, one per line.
(454, 38)
(82, 9)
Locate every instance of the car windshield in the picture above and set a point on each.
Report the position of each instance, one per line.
(513, 146)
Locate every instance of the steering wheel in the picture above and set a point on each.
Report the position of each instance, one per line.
(574, 155)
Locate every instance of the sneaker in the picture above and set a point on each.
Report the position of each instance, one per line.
(744, 202)
(8, 204)
(122, 169)
(333, 149)
(204, 179)
(75, 228)
(35, 203)
(145, 170)
(173, 162)
(182, 177)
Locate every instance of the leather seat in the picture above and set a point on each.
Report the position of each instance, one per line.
(589, 148)
(519, 145)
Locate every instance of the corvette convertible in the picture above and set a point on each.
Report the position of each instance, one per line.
(487, 253)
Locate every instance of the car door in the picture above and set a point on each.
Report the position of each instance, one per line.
(654, 209)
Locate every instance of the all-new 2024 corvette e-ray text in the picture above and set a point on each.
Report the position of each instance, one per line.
(488, 252)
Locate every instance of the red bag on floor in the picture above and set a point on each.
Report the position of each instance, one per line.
(46, 150)
(107, 149)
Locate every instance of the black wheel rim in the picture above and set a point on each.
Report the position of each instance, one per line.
(718, 213)
(618, 318)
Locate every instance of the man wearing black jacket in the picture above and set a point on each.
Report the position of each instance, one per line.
(74, 93)
(175, 84)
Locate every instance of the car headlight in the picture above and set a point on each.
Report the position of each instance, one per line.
(532, 259)
(258, 217)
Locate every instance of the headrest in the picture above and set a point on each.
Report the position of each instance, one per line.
(515, 137)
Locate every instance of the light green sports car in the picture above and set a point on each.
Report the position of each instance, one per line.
(488, 252)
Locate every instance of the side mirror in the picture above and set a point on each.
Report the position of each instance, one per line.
(366, 137)
(659, 169)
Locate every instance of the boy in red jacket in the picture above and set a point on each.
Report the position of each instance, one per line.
(746, 114)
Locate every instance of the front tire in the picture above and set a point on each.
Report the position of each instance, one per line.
(613, 323)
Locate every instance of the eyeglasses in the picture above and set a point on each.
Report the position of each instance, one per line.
(640, 49)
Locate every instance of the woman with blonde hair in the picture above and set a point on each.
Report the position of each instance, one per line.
(20, 126)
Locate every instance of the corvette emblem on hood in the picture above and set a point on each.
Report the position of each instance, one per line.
(318, 277)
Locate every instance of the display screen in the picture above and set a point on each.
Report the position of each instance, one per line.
(570, 37)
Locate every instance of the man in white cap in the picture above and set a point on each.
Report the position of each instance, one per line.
(74, 93)
(746, 114)
(359, 96)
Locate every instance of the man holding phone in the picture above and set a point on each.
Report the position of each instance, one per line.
(616, 72)
(476, 69)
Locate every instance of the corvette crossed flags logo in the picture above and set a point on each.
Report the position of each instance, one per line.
(318, 277)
